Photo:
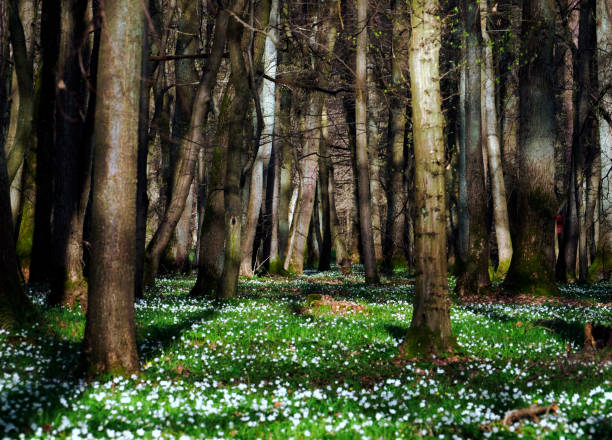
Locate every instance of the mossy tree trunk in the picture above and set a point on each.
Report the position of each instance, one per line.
(236, 148)
(430, 329)
(110, 340)
(533, 263)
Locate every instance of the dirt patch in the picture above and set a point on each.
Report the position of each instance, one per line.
(317, 303)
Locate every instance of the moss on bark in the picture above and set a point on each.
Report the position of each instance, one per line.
(420, 342)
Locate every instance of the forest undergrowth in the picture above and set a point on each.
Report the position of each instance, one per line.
(314, 356)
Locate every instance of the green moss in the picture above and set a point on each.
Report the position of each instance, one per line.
(421, 342)
(600, 268)
(276, 266)
(26, 235)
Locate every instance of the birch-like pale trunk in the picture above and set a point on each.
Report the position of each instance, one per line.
(264, 151)
(500, 209)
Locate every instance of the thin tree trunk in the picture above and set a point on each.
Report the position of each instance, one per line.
(24, 70)
(189, 151)
(533, 261)
(602, 265)
(262, 159)
(142, 199)
(361, 147)
(324, 196)
(500, 209)
(463, 217)
(336, 230)
(584, 125)
(110, 340)
(430, 329)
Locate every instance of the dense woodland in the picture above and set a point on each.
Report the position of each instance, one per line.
(249, 138)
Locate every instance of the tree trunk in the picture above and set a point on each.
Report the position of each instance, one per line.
(361, 146)
(262, 159)
(533, 262)
(324, 196)
(238, 115)
(24, 70)
(430, 329)
(40, 269)
(188, 154)
(110, 340)
(475, 277)
(336, 230)
(294, 257)
(142, 199)
(393, 243)
(601, 267)
(176, 255)
(584, 124)
(500, 209)
(72, 157)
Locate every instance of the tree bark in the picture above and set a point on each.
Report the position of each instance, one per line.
(110, 341)
(475, 276)
(72, 157)
(40, 269)
(262, 159)
(324, 196)
(25, 81)
(393, 242)
(430, 329)
(601, 267)
(500, 209)
(533, 262)
(188, 154)
(361, 146)
(238, 115)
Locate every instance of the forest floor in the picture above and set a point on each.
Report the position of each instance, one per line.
(314, 356)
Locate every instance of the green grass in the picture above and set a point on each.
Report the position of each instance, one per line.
(261, 366)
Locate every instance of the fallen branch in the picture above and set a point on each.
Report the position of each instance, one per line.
(513, 416)
(532, 412)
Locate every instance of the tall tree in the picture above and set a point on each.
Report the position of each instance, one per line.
(430, 329)
(500, 208)
(187, 159)
(110, 340)
(72, 161)
(361, 146)
(236, 149)
(40, 269)
(475, 276)
(396, 200)
(13, 301)
(533, 262)
(603, 262)
(262, 159)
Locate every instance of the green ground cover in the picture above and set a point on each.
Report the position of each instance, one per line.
(268, 366)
